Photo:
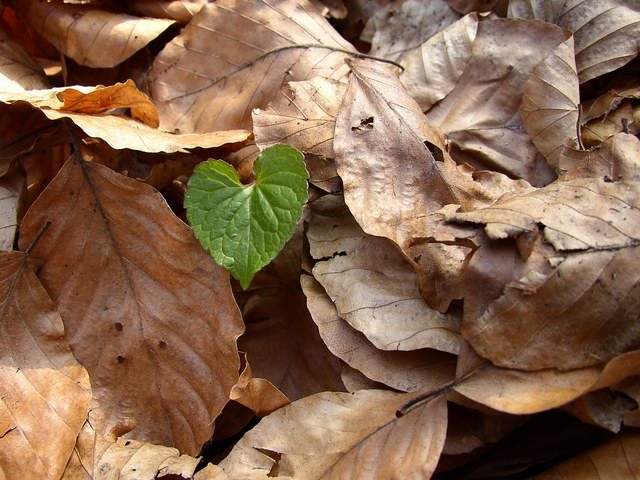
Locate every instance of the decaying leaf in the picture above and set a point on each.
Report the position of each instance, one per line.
(481, 114)
(329, 435)
(44, 391)
(573, 305)
(234, 57)
(606, 32)
(303, 115)
(405, 371)
(373, 287)
(95, 38)
(136, 292)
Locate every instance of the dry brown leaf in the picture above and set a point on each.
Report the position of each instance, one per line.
(373, 287)
(468, 6)
(283, 344)
(603, 408)
(91, 37)
(573, 305)
(432, 69)
(118, 131)
(179, 10)
(392, 183)
(617, 158)
(257, 394)
(344, 435)
(44, 391)
(405, 25)
(18, 71)
(405, 371)
(623, 118)
(12, 190)
(234, 57)
(617, 458)
(481, 114)
(631, 388)
(550, 103)
(148, 313)
(355, 380)
(303, 115)
(607, 33)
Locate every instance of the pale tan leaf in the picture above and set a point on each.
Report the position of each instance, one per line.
(44, 391)
(356, 380)
(147, 311)
(607, 33)
(432, 69)
(85, 106)
(617, 158)
(257, 394)
(405, 371)
(573, 305)
(303, 115)
(550, 103)
(393, 185)
(12, 189)
(621, 118)
(617, 458)
(235, 56)
(405, 25)
(91, 37)
(211, 472)
(344, 435)
(179, 10)
(481, 114)
(18, 71)
(373, 287)
(331, 8)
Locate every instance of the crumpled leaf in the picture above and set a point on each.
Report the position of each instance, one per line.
(242, 53)
(147, 312)
(91, 37)
(44, 391)
(622, 118)
(550, 103)
(573, 305)
(618, 457)
(380, 298)
(86, 107)
(18, 71)
(405, 371)
(329, 434)
(303, 115)
(481, 114)
(405, 25)
(432, 69)
(244, 227)
(606, 32)
(257, 394)
(617, 158)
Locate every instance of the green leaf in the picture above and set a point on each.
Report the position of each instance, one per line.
(245, 226)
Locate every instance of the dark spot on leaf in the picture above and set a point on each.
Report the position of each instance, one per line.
(118, 325)
(120, 359)
(162, 344)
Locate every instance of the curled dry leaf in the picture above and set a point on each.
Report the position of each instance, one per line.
(603, 408)
(257, 394)
(303, 115)
(405, 25)
(18, 71)
(607, 33)
(617, 158)
(329, 434)
(91, 37)
(379, 298)
(235, 56)
(573, 305)
(481, 114)
(86, 107)
(147, 312)
(550, 103)
(44, 391)
(618, 457)
(432, 69)
(405, 371)
(623, 118)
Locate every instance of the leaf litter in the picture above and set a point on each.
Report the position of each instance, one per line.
(465, 266)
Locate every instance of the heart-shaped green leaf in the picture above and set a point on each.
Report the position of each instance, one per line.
(245, 226)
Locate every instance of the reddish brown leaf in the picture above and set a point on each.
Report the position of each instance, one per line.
(147, 311)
